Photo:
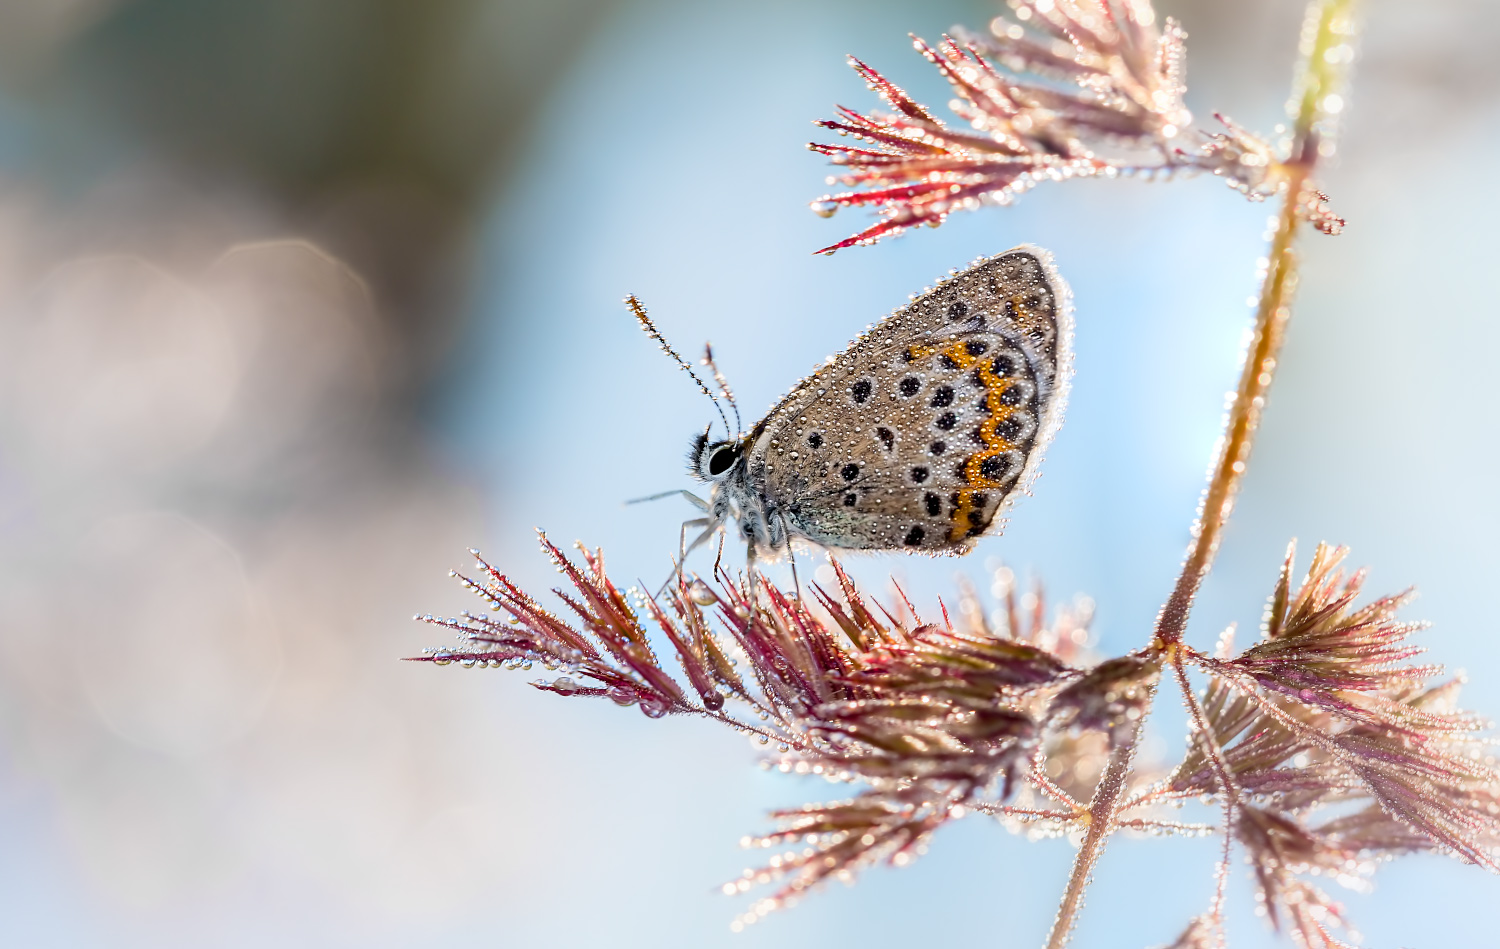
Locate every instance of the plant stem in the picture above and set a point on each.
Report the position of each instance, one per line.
(1227, 785)
(1328, 23)
(1328, 26)
(1104, 810)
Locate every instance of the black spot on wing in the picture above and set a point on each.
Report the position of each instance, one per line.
(994, 468)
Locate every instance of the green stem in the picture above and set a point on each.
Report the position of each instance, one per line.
(1320, 74)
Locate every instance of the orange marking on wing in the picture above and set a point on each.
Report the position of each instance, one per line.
(994, 444)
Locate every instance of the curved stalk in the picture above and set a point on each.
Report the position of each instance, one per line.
(1328, 26)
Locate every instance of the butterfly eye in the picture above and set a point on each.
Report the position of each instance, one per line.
(721, 460)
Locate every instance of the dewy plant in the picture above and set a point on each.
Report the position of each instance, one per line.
(1326, 747)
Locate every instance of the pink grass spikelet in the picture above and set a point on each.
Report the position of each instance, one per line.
(1065, 89)
(1338, 754)
(934, 720)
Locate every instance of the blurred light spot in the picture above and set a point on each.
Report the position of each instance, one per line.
(172, 648)
(117, 364)
(306, 330)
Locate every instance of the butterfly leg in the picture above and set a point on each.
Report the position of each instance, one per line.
(682, 545)
(685, 548)
(693, 499)
(750, 571)
(710, 527)
(791, 555)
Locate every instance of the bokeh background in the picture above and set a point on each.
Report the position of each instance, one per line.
(299, 300)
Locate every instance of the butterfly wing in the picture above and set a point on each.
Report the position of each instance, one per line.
(923, 431)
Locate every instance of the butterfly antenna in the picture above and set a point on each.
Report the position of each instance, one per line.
(654, 333)
(723, 384)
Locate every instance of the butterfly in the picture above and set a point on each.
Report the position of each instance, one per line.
(915, 438)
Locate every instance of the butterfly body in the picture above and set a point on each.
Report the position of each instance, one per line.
(918, 435)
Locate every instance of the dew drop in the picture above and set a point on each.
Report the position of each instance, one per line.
(701, 594)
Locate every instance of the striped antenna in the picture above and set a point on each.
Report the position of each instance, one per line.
(651, 331)
(723, 384)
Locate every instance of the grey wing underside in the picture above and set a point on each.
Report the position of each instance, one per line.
(921, 433)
